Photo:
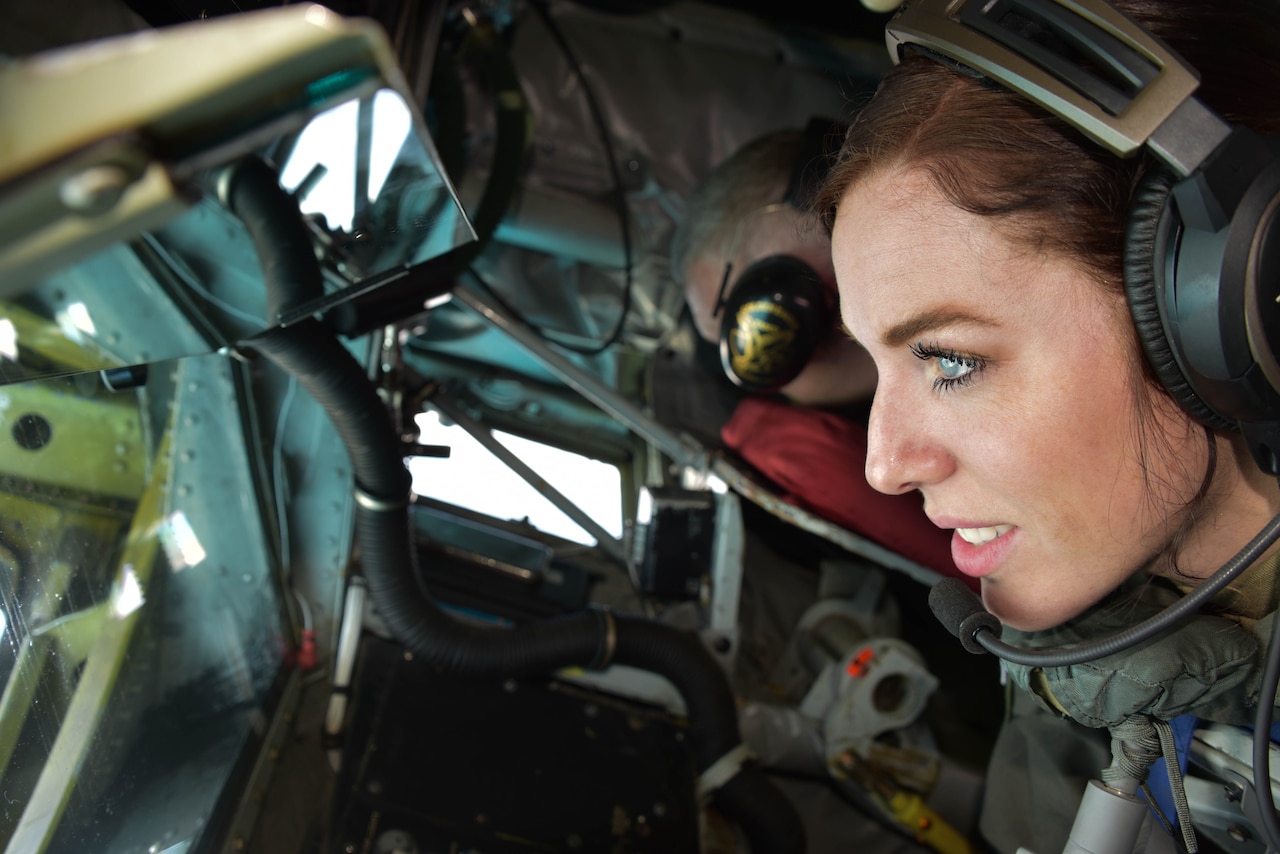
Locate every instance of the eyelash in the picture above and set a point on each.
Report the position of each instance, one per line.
(930, 352)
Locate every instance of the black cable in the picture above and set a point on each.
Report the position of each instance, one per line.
(1148, 628)
(1262, 739)
(620, 195)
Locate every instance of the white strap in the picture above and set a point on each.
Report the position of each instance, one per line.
(723, 770)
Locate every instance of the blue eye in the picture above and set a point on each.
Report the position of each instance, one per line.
(954, 370)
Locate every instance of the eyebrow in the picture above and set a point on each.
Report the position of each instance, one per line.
(926, 321)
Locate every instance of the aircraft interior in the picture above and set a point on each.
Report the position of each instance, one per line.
(361, 476)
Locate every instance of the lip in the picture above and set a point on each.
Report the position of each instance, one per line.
(979, 561)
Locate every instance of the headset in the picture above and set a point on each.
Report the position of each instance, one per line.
(1202, 249)
(779, 311)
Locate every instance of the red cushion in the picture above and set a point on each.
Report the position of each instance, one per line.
(818, 460)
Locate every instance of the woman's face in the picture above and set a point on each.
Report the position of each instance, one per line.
(1008, 395)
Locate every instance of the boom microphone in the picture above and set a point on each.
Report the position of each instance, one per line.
(960, 610)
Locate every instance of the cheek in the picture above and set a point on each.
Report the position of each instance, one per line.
(1087, 407)
(1115, 492)
(1067, 449)
(1173, 450)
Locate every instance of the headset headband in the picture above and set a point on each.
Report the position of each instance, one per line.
(1079, 59)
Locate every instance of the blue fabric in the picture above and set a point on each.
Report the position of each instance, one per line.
(1158, 779)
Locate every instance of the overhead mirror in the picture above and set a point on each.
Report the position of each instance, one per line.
(115, 245)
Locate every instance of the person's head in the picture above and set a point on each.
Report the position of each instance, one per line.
(978, 245)
(741, 214)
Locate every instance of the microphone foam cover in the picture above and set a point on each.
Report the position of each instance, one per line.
(960, 610)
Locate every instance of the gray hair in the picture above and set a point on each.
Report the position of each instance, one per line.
(755, 175)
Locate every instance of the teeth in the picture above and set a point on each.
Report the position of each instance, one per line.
(982, 536)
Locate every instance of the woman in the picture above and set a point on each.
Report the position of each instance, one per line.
(978, 245)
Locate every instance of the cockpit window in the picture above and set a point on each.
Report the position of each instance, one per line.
(372, 189)
(474, 478)
(329, 144)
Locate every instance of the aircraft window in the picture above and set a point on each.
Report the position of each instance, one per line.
(330, 139)
(8, 339)
(373, 186)
(473, 478)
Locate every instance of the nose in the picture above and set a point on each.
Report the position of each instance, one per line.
(903, 452)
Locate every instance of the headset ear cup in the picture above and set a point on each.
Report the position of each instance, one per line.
(775, 318)
(1152, 225)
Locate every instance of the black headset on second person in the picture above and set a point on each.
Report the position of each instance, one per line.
(779, 311)
(1202, 253)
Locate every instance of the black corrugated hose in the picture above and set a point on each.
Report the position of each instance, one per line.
(593, 638)
(251, 190)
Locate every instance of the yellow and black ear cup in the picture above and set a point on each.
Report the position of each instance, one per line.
(776, 316)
